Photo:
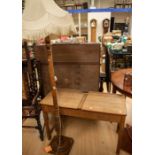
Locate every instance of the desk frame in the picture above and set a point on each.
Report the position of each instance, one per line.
(120, 119)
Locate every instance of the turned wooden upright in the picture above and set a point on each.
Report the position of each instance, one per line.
(53, 88)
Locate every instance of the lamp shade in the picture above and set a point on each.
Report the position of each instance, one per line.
(44, 17)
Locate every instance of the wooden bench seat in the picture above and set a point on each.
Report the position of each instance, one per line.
(91, 105)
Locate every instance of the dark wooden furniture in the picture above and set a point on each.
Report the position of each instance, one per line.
(120, 59)
(69, 6)
(118, 82)
(127, 3)
(102, 79)
(126, 143)
(105, 77)
(31, 93)
(118, 4)
(123, 3)
(91, 105)
(75, 6)
(116, 60)
(77, 66)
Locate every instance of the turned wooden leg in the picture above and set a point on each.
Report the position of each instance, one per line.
(108, 86)
(39, 127)
(114, 89)
(101, 85)
(121, 127)
(46, 120)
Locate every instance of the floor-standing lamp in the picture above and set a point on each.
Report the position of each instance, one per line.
(40, 19)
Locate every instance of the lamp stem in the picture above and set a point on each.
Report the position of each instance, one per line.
(53, 86)
(60, 145)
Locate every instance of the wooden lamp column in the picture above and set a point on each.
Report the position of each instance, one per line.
(60, 145)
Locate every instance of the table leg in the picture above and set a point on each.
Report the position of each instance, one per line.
(121, 127)
(46, 120)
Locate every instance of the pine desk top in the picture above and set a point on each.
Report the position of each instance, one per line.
(91, 101)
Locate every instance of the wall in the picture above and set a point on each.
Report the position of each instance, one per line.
(99, 17)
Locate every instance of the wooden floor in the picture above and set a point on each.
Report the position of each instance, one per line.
(91, 137)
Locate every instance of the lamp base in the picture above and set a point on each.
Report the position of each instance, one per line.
(65, 146)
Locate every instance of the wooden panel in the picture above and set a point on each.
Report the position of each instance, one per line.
(77, 66)
(84, 114)
(105, 103)
(66, 98)
(76, 52)
(83, 77)
(41, 54)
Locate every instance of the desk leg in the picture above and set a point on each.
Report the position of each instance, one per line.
(46, 120)
(121, 126)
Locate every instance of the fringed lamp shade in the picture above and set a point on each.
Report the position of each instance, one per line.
(44, 17)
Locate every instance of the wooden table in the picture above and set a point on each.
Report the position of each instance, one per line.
(117, 79)
(92, 105)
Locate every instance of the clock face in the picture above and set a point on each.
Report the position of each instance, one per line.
(93, 23)
(106, 23)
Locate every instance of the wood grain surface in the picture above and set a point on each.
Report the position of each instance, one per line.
(105, 102)
(77, 66)
(66, 98)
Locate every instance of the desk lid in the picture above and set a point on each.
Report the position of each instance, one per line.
(67, 98)
(105, 102)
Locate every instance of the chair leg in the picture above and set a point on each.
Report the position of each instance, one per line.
(40, 128)
(108, 86)
(101, 85)
(114, 89)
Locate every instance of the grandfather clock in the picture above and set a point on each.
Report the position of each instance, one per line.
(93, 24)
(106, 25)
